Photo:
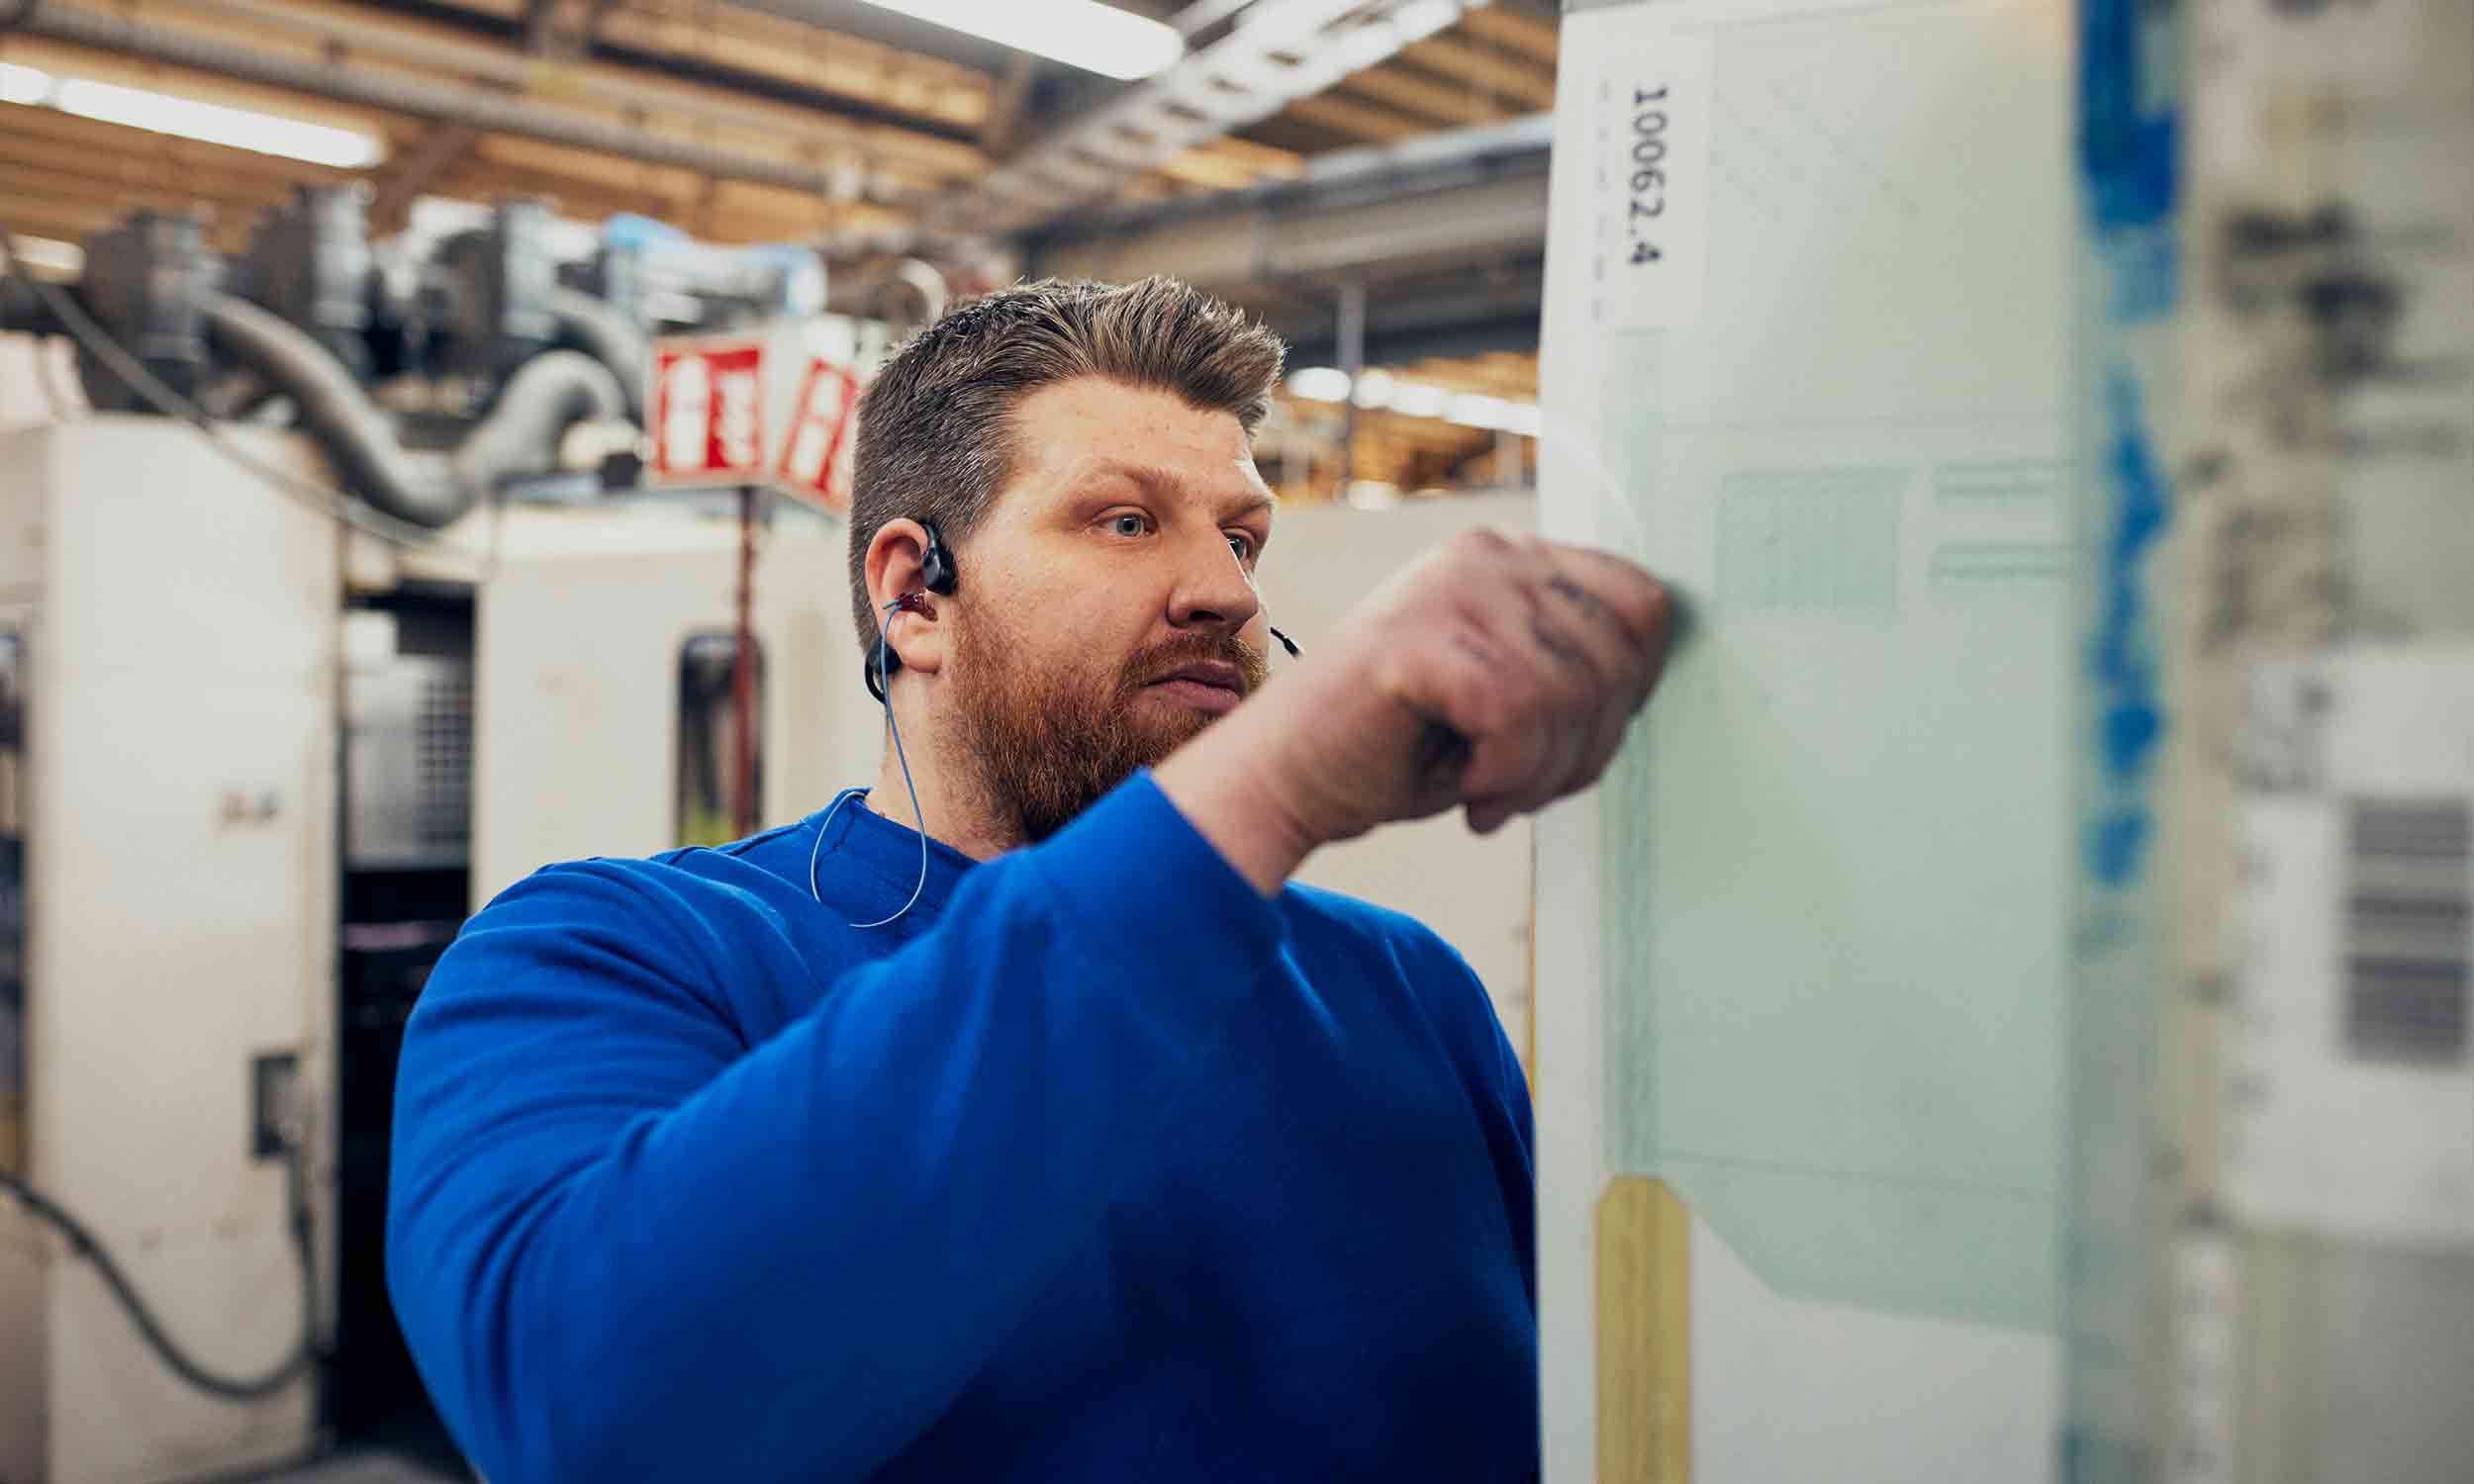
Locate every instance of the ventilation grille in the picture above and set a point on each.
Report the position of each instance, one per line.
(442, 736)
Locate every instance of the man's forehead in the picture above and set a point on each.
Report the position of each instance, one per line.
(1077, 434)
(1224, 482)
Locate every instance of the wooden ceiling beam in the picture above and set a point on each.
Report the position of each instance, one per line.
(1500, 373)
(472, 181)
(1514, 31)
(937, 93)
(1267, 159)
(63, 220)
(18, 179)
(554, 169)
(1223, 164)
(494, 169)
(677, 111)
(734, 210)
(802, 56)
(1001, 131)
(75, 136)
(74, 218)
(530, 165)
(406, 176)
(1525, 85)
(65, 59)
(1359, 121)
(142, 170)
(1211, 172)
(1415, 92)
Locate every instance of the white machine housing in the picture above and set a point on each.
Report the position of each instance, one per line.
(179, 623)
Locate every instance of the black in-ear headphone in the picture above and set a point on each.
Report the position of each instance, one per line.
(937, 565)
(938, 575)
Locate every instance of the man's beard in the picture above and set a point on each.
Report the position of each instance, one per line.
(1044, 747)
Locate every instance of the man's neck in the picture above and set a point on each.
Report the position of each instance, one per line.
(956, 811)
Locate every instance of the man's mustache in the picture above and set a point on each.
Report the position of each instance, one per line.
(1164, 660)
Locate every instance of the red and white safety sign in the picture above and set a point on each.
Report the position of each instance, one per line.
(815, 459)
(708, 412)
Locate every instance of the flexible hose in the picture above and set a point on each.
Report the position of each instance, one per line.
(612, 338)
(547, 394)
(84, 1243)
(519, 436)
(353, 429)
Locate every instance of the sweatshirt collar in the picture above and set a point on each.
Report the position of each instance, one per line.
(855, 834)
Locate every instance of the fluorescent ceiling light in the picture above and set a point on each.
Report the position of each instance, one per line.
(214, 123)
(1377, 387)
(1494, 413)
(1421, 19)
(20, 84)
(1319, 383)
(1376, 40)
(1078, 32)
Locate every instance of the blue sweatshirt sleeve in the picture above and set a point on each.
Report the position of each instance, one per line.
(1502, 1091)
(625, 1245)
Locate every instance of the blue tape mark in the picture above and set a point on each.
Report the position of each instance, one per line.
(2128, 66)
(2131, 721)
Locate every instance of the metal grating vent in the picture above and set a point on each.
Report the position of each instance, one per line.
(442, 814)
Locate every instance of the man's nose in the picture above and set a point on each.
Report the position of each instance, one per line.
(1214, 590)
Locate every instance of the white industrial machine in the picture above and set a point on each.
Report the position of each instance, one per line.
(174, 627)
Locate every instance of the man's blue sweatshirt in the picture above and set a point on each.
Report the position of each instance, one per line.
(1094, 1166)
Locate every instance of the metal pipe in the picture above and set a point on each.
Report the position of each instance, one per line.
(519, 436)
(547, 394)
(1454, 159)
(743, 676)
(354, 430)
(422, 98)
(610, 338)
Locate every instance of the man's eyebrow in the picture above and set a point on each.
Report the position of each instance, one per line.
(1165, 481)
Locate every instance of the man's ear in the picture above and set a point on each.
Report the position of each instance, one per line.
(896, 555)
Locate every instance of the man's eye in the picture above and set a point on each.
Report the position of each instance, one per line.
(1129, 525)
(1241, 543)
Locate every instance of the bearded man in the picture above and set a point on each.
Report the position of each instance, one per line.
(1089, 1147)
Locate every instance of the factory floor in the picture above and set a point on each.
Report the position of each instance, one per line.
(411, 1448)
(371, 1466)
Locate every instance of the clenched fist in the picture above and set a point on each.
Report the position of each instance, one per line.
(1496, 675)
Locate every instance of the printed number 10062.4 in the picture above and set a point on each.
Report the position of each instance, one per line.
(1648, 196)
